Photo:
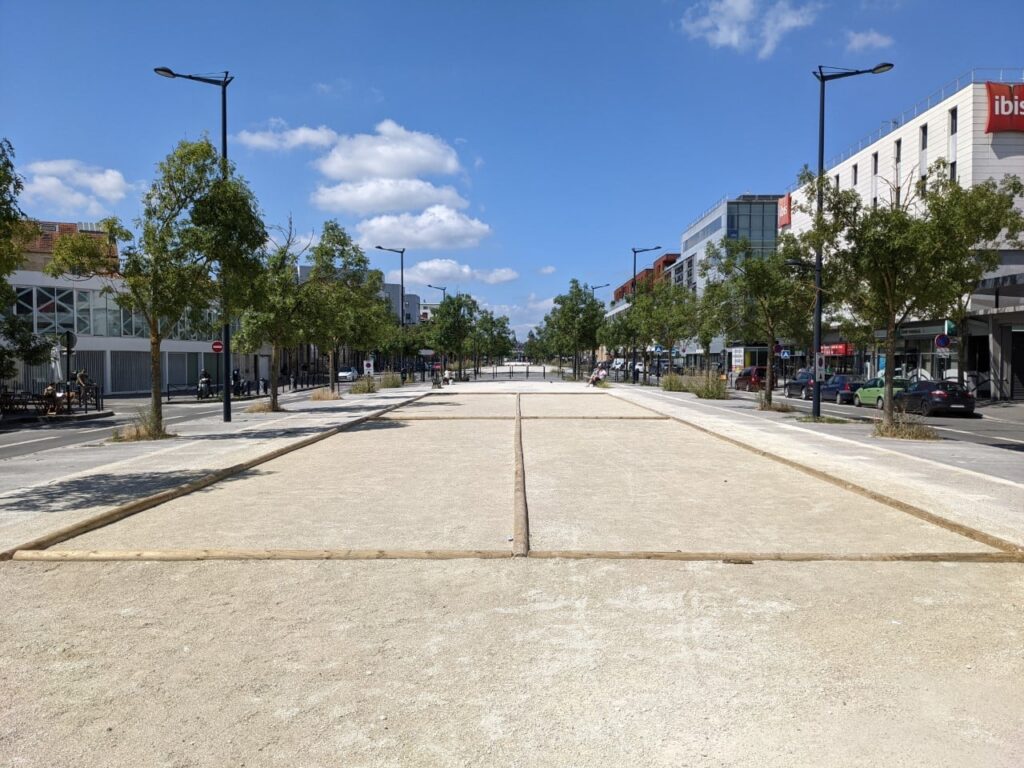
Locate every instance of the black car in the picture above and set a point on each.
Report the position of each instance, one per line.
(927, 397)
(801, 385)
(841, 387)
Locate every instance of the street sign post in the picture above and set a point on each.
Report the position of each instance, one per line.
(217, 346)
(819, 367)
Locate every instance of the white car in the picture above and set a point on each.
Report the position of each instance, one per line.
(347, 374)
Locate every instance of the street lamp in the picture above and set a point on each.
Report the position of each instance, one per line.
(441, 288)
(593, 292)
(222, 82)
(636, 374)
(401, 296)
(823, 77)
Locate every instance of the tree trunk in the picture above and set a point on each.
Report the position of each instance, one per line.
(155, 380)
(890, 361)
(275, 355)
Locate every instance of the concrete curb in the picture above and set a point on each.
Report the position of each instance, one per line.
(104, 519)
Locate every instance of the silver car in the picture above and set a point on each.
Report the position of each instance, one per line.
(347, 374)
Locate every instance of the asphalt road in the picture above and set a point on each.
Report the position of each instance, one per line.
(986, 427)
(30, 438)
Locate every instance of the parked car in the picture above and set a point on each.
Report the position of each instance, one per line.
(927, 397)
(347, 374)
(751, 378)
(802, 385)
(873, 392)
(619, 364)
(841, 387)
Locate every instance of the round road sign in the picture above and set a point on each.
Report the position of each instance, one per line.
(217, 346)
(942, 341)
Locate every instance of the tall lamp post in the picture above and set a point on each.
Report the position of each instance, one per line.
(593, 293)
(636, 373)
(222, 82)
(834, 73)
(441, 288)
(401, 295)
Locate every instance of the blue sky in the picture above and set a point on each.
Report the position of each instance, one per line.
(509, 146)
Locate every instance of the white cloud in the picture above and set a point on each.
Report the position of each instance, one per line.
(61, 199)
(742, 24)
(540, 305)
(547, 270)
(781, 18)
(436, 271)
(860, 41)
(281, 137)
(437, 227)
(393, 153)
(72, 188)
(104, 183)
(385, 196)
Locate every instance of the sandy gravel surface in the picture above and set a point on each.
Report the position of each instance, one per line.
(511, 663)
(459, 405)
(388, 484)
(589, 403)
(588, 488)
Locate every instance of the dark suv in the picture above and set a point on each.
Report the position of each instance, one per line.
(751, 379)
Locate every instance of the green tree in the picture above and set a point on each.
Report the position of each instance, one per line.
(965, 228)
(493, 336)
(276, 315)
(191, 217)
(617, 332)
(17, 341)
(765, 300)
(342, 297)
(574, 322)
(453, 325)
(663, 313)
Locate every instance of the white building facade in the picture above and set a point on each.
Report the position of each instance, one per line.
(976, 124)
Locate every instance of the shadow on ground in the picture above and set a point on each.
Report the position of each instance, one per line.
(102, 490)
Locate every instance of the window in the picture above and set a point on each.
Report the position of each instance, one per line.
(924, 136)
(898, 150)
(897, 197)
(952, 121)
(952, 171)
(874, 202)
(854, 174)
(837, 181)
(874, 163)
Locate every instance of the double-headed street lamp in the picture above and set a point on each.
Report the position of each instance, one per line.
(593, 293)
(221, 82)
(834, 73)
(636, 374)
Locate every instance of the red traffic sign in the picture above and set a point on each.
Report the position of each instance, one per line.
(217, 346)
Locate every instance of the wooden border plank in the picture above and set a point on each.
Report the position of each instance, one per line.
(521, 519)
(176, 555)
(790, 557)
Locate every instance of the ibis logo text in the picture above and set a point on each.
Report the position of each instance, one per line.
(1005, 107)
(785, 211)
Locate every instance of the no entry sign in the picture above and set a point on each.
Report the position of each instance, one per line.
(217, 346)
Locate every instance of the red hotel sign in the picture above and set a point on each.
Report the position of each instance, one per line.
(1005, 107)
(785, 211)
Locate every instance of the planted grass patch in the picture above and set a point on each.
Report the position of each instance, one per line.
(905, 427)
(264, 407)
(823, 420)
(364, 385)
(778, 407)
(390, 381)
(142, 427)
(325, 393)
